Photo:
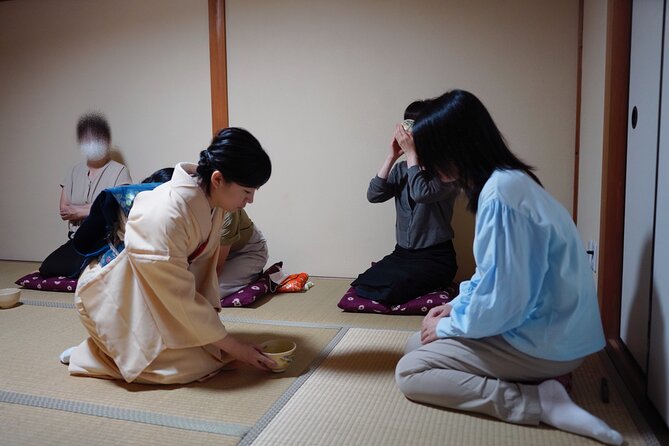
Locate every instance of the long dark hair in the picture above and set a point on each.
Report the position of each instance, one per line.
(455, 135)
(238, 155)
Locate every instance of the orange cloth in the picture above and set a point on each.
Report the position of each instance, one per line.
(293, 283)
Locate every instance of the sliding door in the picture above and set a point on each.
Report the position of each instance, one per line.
(642, 141)
(658, 356)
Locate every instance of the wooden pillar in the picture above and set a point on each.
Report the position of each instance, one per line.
(218, 65)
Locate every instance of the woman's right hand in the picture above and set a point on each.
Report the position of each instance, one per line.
(428, 332)
(404, 140)
(395, 150)
(246, 353)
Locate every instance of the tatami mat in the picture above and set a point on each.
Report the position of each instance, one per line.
(32, 337)
(11, 271)
(340, 390)
(352, 399)
(319, 305)
(24, 425)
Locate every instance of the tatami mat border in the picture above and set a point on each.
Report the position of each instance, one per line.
(118, 413)
(282, 323)
(306, 324)
(47, 303)
(247, 433)
(257, 429)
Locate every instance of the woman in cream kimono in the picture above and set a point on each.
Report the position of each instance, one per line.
(152, 313)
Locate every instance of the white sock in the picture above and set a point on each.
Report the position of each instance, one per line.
(65, 356)
(558, 410)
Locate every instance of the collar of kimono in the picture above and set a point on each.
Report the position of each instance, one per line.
(186, 185)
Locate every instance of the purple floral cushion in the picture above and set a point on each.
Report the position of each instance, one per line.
(251, 292)
(248, 294)
(35, 281)
(420, 305)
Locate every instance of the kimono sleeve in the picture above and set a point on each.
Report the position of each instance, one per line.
(230, 232)
(157, 246)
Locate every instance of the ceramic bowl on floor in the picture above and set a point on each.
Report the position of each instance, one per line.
(282, 351)
(9, 297)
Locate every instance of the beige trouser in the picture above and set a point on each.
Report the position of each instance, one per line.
(477, 375)
(244, 266)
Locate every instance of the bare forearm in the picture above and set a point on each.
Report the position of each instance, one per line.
(412, 159)
(72, 212)
(384, 171)
(80, 211)
(227, 343)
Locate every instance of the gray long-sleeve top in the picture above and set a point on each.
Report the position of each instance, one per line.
(424, 205)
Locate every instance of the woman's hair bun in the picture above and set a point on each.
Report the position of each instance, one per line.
(238, 155)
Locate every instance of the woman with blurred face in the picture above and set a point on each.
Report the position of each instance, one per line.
(84, 181)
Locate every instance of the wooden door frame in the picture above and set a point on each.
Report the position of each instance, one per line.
(612, 217)
(218, 65)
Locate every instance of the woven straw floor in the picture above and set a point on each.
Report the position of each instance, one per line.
(340, 390)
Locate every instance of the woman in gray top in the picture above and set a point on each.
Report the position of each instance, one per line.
(424, 257)
(84, 182)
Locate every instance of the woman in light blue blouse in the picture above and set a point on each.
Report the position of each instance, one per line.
(529, 312)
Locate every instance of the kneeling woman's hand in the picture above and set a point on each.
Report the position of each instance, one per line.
(247, 353)
(428, 332)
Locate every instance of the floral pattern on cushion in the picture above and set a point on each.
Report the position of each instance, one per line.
(251, 292)
(247, 295)
(420, 305)
(35, 281)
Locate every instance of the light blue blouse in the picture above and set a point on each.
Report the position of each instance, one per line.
(532, 283)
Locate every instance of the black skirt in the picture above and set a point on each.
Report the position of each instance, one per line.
(408, 273)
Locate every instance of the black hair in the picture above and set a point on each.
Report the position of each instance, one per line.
(238, 155)
(413, 110)
(160, 176)
(93, 123)
(456, 135)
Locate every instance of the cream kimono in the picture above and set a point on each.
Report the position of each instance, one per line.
(152, 313)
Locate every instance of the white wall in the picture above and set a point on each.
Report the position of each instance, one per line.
(322, 84)
(592, 119)
(144, 64)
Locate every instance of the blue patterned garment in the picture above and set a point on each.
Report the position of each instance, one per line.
(125, 197)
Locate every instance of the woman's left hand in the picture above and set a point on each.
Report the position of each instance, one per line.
(428, 332)
(405, 141)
